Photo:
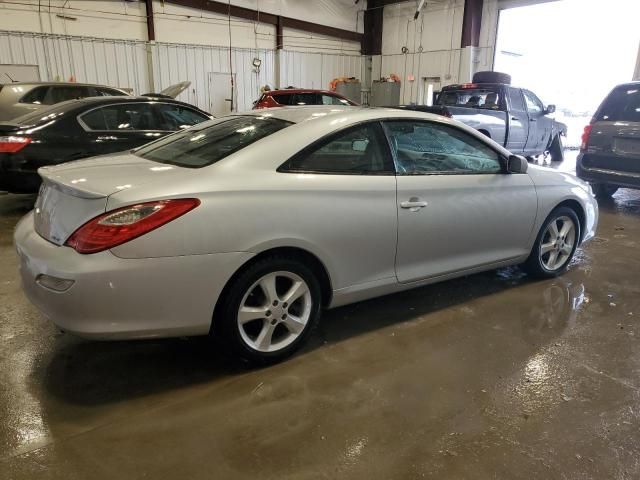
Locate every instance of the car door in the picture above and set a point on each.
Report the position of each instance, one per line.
(341, 190)
(457, 206)
(539, 124)
(518, 121)
(120, 126)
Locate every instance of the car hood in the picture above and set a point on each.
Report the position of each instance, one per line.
(102, 176)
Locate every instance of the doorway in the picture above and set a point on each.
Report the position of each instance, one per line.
(220, 99)
(571, 53)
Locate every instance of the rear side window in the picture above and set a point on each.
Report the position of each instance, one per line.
(123, 116)
(175, 117)
(472, 97)
(359, 150)
(331, 100)
(622, 104)
(283, 99)
(202, 146)
(515, 99)
(62, 94)
(35, 96)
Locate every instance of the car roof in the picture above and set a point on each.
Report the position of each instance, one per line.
(34, 117)
(284, 91)
(333, 113)
(59, 84)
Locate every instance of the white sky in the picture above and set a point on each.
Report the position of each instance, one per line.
(573, 51)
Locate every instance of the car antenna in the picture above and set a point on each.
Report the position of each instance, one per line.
(12, 80)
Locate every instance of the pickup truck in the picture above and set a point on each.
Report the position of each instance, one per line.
(513, 117)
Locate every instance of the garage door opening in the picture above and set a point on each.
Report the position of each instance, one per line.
(570, 52)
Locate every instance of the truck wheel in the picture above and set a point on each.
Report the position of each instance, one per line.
(492, 77)
(604, 190)
(556, 150)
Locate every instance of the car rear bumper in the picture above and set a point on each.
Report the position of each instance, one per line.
(117, 298)
(595, 175)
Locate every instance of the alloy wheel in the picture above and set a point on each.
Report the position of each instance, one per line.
(558, 243)
(274, 311)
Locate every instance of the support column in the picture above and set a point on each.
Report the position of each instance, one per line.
(151, 37)
(471, 23)
(636, 74)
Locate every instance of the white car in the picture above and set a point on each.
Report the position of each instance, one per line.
(248, 225)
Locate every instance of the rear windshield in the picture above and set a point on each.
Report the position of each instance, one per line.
(305, 98)
(471, 97)
(622, 104)
(208, 143)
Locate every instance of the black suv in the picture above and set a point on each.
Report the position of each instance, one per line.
(610, 153)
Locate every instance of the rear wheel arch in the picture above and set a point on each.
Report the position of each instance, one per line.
(295, 253)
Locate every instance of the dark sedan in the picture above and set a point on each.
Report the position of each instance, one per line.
(83, 128)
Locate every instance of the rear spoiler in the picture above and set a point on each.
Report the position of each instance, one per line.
(8, 127)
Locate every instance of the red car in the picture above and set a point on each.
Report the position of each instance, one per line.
(291, 96)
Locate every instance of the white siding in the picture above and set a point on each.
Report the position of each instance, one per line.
(119, 63)
(316, 70)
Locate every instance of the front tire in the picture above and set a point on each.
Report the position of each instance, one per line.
(555, 244)
(556, 149)
(269, 310)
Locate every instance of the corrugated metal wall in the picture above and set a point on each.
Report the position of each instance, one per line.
(124, 63)
(93, 60)
(316, 70)
(173, 63)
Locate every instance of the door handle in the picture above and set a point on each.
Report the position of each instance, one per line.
(413, 204)
(515, 118)
(532, 120)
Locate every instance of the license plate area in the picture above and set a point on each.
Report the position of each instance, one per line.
(626, 146)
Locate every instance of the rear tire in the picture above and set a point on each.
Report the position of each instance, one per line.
(268, 311)
(555, 244)
(556, 149)
(604, 190)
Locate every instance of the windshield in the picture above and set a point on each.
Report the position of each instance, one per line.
(476, 98)
(209, 143)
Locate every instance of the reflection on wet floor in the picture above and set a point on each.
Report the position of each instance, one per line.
(488, 376)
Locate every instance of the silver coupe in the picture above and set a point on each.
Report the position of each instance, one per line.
(247, 226)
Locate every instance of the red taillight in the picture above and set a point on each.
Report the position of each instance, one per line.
(124, 224)
(13, 144)
(585, 137)
(469, 85)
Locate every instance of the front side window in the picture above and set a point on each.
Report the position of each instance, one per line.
(331, 100)
(471, 97)
(359, 150)
(424, 148)
(534, 105)
(204, 145)
(177, 117)
(121, 117)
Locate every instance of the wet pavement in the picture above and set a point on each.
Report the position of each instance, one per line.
(489, 376)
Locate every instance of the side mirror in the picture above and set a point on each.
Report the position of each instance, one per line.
(359, 145)
(550, 109)
(517, 164)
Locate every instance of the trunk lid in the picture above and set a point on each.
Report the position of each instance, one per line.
(73, 193)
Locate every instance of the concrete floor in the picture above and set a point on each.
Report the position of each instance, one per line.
(490, 376)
